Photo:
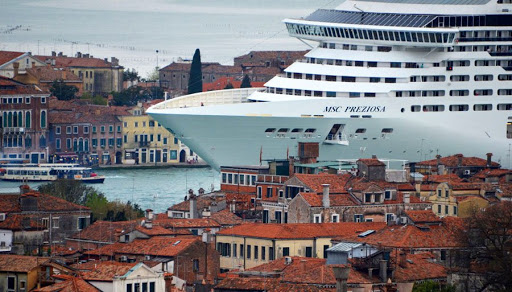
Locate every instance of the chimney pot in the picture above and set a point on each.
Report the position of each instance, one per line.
(489, 161)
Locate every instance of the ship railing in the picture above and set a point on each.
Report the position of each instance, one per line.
(338, 138)
(217, 97)
(268, 178)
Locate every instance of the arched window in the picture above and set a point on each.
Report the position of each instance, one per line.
(28, 142)
(75, 145)
(9, 120)
(5, 119)
(86, 142)
(28, 122)
(15, 119)
(81, 144)
(43, 119)
(42, 141)
(20, 119)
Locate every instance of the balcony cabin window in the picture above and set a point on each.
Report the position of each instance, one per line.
(433, 108)
(387, 130)
(360, 131)
(505, 106)
(459, 108)
(482, 107)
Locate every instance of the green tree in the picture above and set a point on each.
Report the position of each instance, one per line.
(72, 191)
(94, 99)
(132, 75)
(99, 206)
(246, 82)
(153, 75)
(130, 96)
(431, 286)
(63, 91)
(195, 81)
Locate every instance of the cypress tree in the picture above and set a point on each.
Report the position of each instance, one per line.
(195, 81)
(246, 82)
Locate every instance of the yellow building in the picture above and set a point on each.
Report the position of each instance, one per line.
(145, 141)
(457, 199)
(249, 245)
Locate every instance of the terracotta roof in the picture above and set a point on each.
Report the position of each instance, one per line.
(6, 56)
(225, 217)
(410, 236)
(71, 284)
(422, 216)
(484, 173)
(17, 222)
(417, 267)
(10, 203)
(505, 190)
(106, 250)
(442, 178)
(371, 162)
(19, 263)
(11, 87)
(187, 223)
(221, 82)
(467, 198)
(315, 200)
(76, 62)
(453, 161)
(301, 230)
(314, 182)
(262, 284)
(157, 230)
(361, 184)
(308, 271)
(51, 74)
(106, 271)
(157, 246)
(106, 231)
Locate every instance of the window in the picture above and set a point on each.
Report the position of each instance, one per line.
(57, 130)
(317, 218)
(195, 265)
(57, 143)
(271, 253)
(443, 255)
(102, 129)
(43, 119)
(263, 253)
(256, 251)
(86, 129)
(55, 222)
(11, 283)
(358, 218)
(94, 129)
(387, 195)
(234, 250)
(242, 250)
(248, 251)
(82, 223)
(269, 192)
(455, 210)
(259, 192)
(68, 143)
(68, 129)
(482, 107)
(309, 252)
(360, 131)
(75, 129)
(286, 251)
(335, 218)
(111, 129)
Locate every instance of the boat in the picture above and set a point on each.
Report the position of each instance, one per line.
(49, 172)
(399, 79)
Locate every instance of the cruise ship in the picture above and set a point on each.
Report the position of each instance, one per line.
(403, 79)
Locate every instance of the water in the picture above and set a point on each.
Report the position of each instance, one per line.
(133, 30)
(157, 189)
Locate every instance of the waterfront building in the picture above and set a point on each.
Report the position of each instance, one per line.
(24, 60)
(99, 76)
(145, 141)
(383, 80)
(24, 121)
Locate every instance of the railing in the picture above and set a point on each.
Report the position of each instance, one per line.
(338, 138)
(272, 178)
(216, 97)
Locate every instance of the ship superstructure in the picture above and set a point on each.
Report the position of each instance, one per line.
(397, 79)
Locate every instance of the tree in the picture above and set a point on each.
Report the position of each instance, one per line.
(195, 81)
(431, 286)
(72, 191)
(488, 241)
(153, 75)
(63, 91)
(96, 99)
(131, 75)
(246, 82)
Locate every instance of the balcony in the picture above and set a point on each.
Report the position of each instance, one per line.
(13, 130)
(267, 178)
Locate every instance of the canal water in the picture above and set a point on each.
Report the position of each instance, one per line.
(157, 188)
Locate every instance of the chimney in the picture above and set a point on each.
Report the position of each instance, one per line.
(438, 157)
(403, 260)
(59, 54)
(489, 161)
(33, 64)
(201, 191)
(407, 198)
(383, 270)
(291, 165)
(24, 189)
(149, 214)
(325, 198)
(459, 159)
(106, 60)
(16, 67)
(64, 74)
(78, 55)
(193, 205)
(374, 156)
(341, 275)
(54, 54)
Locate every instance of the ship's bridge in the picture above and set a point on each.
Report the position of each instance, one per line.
(377, 28)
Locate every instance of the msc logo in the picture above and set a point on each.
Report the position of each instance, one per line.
(332, 109)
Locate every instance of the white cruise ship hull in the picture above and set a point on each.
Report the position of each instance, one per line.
(235, 134)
